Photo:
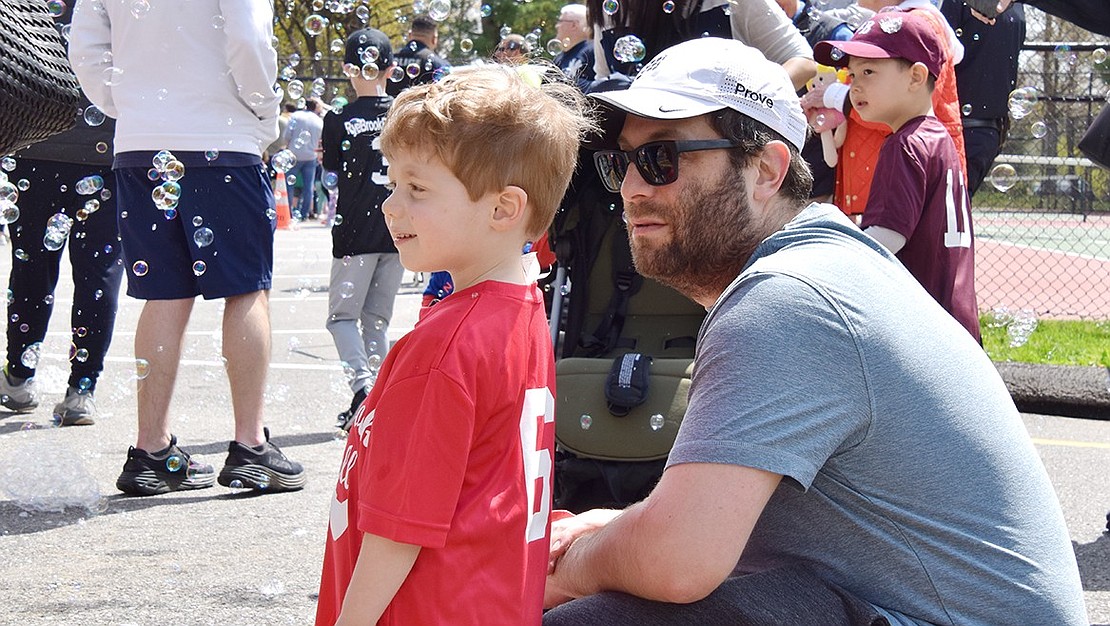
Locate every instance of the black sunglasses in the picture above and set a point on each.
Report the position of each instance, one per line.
(657, 161)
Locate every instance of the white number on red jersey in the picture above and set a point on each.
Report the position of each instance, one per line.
(538, 410)
(953, 192)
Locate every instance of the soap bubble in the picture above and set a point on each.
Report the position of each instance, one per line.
(81, 355)
(1020, 327)
(94, 116)
(586, 421)
(1023, 101)
(609, 7)
(211, 155)
(966, 110)
(7, 163)
(203, 237)
(656, 421)
(629, 49)
(1098, 56)
(315, 24)
(1003, 177)
(112, 78)
(438, 10)
(142, 368)
(199, 268)
(9, 212)
(330, 180)
(1066, 55)
(486, 10)
(1038, 129)
(101, 147)
(295, 89)
(140, 268)
(89, 185)
(31, 355)
(51, 487)
(554, 47)
(139, 9)
(283, 161)
(56, 8)
(466, 44)
(346, 289)
(836, 54)
(668, 7)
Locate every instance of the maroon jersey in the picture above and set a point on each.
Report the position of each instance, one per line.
(918, 191)
(452, 451)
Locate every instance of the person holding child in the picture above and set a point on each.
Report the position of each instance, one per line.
(441, 511)
(921, 211)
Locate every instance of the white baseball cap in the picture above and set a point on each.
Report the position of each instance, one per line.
(708, 74)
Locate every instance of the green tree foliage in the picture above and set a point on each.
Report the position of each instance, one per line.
(470, 30)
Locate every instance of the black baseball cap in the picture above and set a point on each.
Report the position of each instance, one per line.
(362, 40)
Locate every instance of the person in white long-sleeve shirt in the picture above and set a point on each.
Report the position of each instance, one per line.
(191, 87)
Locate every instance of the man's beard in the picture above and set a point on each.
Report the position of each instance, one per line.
(713, 233)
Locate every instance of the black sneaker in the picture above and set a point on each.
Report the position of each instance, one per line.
(346, 418)
(171, 469)
(264, 468)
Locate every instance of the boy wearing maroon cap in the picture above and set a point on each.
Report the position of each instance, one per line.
(920, 207)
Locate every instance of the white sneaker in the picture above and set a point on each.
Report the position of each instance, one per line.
(78, 409)
(19, 397)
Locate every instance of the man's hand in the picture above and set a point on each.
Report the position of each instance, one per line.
(567, 527)
(1000, 9)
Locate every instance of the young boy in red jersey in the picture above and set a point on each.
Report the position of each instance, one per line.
(919, 206)
(441, 512)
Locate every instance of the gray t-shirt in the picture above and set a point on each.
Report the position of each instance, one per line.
(302, 135)
(909, 478)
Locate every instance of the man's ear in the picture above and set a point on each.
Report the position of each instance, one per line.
(510, 208)
(771, 166)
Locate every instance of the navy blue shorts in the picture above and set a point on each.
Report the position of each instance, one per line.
(216, 242)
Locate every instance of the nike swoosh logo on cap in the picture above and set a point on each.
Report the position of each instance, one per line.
(666, 110)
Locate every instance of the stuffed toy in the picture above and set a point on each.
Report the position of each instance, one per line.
(827, 121)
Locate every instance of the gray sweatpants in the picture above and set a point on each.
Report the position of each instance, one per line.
(360, 305)
(789, 596)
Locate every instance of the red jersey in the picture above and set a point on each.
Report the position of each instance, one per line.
(923, 198)
(453, 451)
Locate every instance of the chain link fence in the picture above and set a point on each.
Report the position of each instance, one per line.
(1042, 217)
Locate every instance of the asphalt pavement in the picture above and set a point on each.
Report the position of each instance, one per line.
(216, 556)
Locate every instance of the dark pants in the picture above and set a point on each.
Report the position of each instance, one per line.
(981, 144)
(773, 598)
(94, 253)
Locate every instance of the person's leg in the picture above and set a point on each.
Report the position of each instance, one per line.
(158, 338)
(246, 347)
(34, 272)
(350, 281)
(94, 253)
(307, 202)
(982, 146)
(378, 309)
(783, 596)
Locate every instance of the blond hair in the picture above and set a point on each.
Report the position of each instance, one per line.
(494, 126)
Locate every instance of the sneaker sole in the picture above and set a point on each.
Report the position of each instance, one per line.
(151, 483)
(16, 407)
(74, 420)
(260, 478)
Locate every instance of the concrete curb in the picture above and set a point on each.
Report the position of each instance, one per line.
(1073, 391)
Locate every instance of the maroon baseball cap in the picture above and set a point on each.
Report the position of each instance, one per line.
(888, 35)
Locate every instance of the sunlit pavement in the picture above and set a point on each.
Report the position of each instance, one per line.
(218, 557)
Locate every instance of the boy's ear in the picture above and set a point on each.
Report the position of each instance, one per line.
(919, 75)
(509, 210)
